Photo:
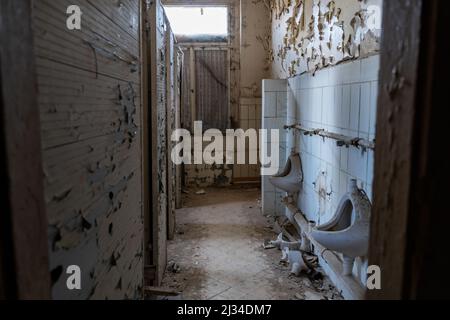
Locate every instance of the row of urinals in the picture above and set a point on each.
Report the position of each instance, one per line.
(348, 231)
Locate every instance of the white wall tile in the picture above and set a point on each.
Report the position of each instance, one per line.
(274, 85)
(328, 106)
(339, 99)
(337, 116)
(291, 82)
(305, 82)
(315, 104)
(357, 164)
(291, 105)
(316, 146)
(354, 107)
(364, 111)
(335, 175)
(346, 101)
(320, 79)
(305, 105)
(270, 105)
(370, 167)
(305, 143)
(298, 80)
(281, 104)
(333, 79)
(350, 72)
(370, 68)
(331, 153)
(344, 159)
(373, 106)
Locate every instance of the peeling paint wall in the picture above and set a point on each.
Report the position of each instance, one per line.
(160, 183)
(255, 41)
(163, 117)
(309, 35)
(89, 98)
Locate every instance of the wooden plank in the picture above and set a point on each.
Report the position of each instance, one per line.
(428, 236)
(410, 218)
(25, 275)
(158, 150)
(81, 107)
(193, 87)
(90, 108)
(122, 13)
(149, 274)
(101, 46)
(178, 76)
(394, 151)
(170, 116)
(160, 291)
(146, 140)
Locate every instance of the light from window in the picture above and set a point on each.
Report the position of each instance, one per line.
(198, 21)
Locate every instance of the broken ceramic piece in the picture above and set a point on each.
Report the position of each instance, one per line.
(281, 244)
(295, 260)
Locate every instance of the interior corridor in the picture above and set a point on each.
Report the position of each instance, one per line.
(223, 149)
(219, 252)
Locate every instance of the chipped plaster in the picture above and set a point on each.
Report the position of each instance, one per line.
(308, 35)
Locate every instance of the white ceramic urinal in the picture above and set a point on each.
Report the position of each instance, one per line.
(348, 230)
(292, 176)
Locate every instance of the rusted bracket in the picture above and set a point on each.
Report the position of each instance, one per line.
(342, 140)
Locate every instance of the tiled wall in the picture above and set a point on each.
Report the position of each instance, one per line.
(341, 99)
(249, 118)
(274, 117)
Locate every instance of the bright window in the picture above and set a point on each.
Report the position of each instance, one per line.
(198, 21)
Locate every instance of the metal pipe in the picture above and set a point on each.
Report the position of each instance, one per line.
(342, 140)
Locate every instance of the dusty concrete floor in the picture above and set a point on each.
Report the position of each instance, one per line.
(219, 250)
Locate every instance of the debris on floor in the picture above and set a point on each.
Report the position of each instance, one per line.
(161, 293)
(267, 245)
(173, 267)
(200, 192)
(223, 257)
(312, 295)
